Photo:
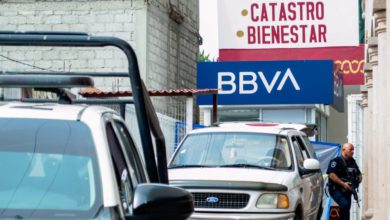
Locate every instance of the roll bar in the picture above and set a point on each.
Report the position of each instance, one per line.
(80, 39)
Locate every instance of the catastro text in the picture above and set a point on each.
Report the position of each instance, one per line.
(286, 23)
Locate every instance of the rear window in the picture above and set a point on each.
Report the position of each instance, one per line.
(234, 148)
(48, 170)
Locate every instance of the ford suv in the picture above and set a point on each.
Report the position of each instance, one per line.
(249, 171)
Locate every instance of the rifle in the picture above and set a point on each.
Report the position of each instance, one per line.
(353, 182)
(354, 192)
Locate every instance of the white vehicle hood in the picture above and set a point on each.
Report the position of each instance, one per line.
(228, 175)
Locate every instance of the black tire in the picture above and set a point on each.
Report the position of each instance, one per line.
(319, 213)
(298, 215)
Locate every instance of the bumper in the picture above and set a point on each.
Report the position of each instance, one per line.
(238, 216)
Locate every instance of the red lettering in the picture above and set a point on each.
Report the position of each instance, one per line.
(253, 16)
(273, 10)
(282, 13)
(291, 9)
(313, 36)
(293, 31)
(309, 11)
(322, 32)
(265, 35)
(300, 4)
(264, 15)
(320, 10)
(284, 34)
(303, 27)
(275, 34)
(251, 35)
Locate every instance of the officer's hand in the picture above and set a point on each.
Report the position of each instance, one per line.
(347, 186)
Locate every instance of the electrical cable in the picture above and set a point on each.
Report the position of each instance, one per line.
(27, 64)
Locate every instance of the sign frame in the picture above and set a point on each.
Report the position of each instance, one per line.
(267, 82)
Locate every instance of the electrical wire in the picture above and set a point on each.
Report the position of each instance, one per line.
(27, 64)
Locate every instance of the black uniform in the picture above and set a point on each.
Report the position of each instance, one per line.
(347, 171)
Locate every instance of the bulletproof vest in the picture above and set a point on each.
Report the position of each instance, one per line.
(347, 171)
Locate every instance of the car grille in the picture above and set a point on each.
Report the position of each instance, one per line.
(220, 200)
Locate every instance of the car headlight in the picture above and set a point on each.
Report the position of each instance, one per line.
(272, 201)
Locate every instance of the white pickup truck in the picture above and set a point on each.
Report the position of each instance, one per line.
(249, 171)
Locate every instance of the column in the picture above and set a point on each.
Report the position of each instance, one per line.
(373, 108)
(387, 114)
(380, 30)
(189, 113)
(207, 116)
(367, 144)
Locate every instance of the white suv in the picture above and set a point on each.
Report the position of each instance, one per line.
(77, 162)
(65, 161)
(249, 171)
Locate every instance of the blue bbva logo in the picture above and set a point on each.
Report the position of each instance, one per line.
(212, 199)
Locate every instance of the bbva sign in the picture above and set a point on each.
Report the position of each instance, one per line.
(267, 82)
(249, 79)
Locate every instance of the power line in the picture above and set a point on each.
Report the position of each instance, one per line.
(27, 64)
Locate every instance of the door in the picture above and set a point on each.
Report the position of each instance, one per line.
(317, 179)
(128, 168)
(311, 189)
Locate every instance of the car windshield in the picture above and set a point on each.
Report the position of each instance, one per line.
(48, 170)
(233, 149)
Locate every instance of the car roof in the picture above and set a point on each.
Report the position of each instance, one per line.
(254, 127)
(48, 110)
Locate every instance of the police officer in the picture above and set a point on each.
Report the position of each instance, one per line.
(342, 171)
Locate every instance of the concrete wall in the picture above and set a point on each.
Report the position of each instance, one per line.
(113, 18)
(172, 52)
(164, 34)
(172, 44)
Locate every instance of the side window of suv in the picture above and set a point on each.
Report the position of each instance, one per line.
(309, 147)
(122, 176)
(300, 150)
(136, 169)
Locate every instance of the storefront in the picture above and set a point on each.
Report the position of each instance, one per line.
(269, 91)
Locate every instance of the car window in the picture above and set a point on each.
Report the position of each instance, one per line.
(135, 168)
(122, 176)
(300, 150)
(193, 150)
(298, 153)
(49, 169)
(309, 147)
(230, 148)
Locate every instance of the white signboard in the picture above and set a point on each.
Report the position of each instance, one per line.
(258, 24)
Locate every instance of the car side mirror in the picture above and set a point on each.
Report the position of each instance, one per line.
(310, 166)
(158, 201)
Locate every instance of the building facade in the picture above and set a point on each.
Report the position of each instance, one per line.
(376, 117)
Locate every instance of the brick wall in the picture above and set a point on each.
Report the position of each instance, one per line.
(166, 50)
(173, 48)
(113, 18)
